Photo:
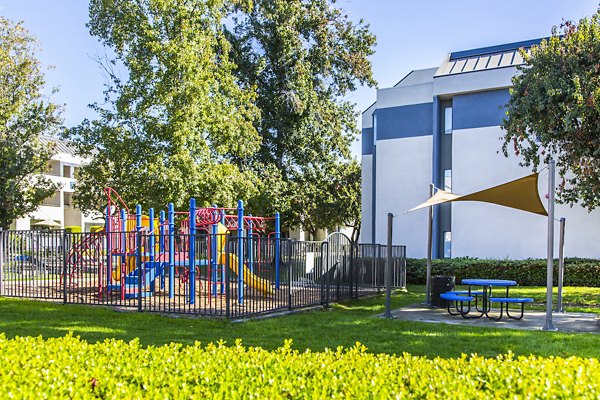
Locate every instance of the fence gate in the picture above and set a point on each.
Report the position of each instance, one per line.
(339, 280)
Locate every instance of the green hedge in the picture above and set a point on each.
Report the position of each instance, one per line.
(530, 272)
(73, 229)
(71, 368)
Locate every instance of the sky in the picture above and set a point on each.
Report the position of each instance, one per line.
(411, 34)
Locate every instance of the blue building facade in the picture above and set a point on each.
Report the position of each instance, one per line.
(442, 126)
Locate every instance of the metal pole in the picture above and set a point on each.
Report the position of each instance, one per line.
(429, 249)
(277, 247)
(388, 268)
(561, 265)
(240, 246)
(2, 235)
(192, 252)
(548, 326)
(171, 216)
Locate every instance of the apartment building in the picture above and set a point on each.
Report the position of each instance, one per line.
(59, 207)
(442, 125)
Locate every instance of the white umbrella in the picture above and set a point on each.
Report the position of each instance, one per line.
(48, 222)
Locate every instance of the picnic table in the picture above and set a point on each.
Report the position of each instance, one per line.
(487, 298)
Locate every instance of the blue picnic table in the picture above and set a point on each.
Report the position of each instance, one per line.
(487, 296)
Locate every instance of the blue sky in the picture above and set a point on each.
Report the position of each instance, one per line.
(410, 35)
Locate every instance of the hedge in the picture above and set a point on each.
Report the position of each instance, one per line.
(73, 228)
(530, 272)
(71, 368)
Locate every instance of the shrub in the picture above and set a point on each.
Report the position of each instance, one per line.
(71, 368)
(530, 272)
(73, 229)
(96, 228)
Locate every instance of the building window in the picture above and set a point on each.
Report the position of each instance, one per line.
(447, 244)
(374, 130)
(66, 171)
(448, 120)
(67, 198)
(448, 180)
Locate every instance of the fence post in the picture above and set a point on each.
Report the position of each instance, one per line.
(240, 250)
(227, 289)
(2, 240)
(289, 273)
(171, 216)
(192, 252)
(388, 268)
(139, 268)
(64, 266)
(277, 247)
(353, 280)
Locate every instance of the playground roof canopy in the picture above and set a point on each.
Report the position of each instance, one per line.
(521, 194)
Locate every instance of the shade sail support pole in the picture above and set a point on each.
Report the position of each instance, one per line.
(548, 326)
(429, 249)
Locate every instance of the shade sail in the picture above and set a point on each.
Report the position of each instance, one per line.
(521, 194)
(438, 198)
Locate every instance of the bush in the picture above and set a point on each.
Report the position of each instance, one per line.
(96, 228)
(530, 272)
(73, 229)
(71, 368)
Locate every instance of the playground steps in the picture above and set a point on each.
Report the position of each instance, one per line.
(153, 269)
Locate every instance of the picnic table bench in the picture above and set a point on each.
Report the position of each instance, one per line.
(462, 297)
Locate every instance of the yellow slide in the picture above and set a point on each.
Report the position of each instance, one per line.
(250, 279)
(131, 266)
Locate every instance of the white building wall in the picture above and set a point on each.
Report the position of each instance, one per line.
(366, 198)
(403, 177)
(491, 231)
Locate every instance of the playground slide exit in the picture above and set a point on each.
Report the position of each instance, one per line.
(250, 279)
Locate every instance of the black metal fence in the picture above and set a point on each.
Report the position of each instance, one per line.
(201, 274)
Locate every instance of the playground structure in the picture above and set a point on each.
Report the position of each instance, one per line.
(206, 261)
(145, 254)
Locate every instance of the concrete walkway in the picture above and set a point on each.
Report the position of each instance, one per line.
(533, 320)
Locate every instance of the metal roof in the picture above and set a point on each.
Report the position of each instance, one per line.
(61, 146)
(485, 58)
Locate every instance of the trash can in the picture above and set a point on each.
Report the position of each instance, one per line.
(440, 284)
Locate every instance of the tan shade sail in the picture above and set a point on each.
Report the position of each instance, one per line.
(438, 198)
(521, 194)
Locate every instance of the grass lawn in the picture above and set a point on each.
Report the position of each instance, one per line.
(344, 324)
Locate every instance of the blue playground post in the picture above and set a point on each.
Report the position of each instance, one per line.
(108, 247)
(151, 229)
(161, 231)
(250, 244)
(138, 218)
(240, 234)
(161, 244)
(214, 255)
(192, 251)
(277, 247)
(171, 250)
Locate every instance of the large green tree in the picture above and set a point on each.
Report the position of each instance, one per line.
(176, 122)
(304, 57)
(25, 113)
(554, 111)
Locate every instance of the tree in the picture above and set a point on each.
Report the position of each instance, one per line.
(554, 110)
(179, 125)
(336, 203)
(303, 57)
(24, 115)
